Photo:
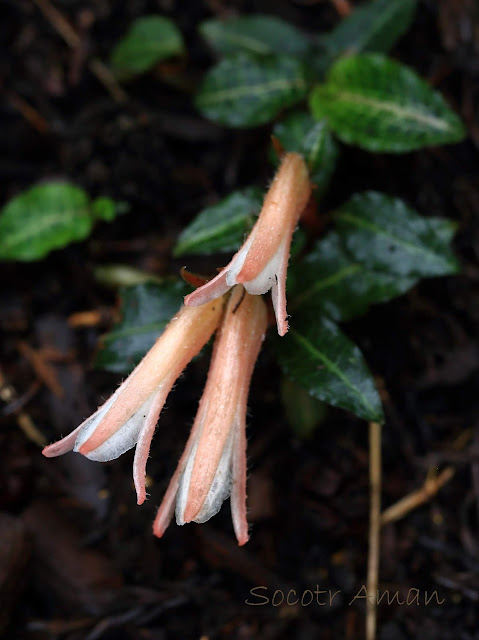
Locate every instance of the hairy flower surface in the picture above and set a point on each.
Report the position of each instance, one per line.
(129, 417)
(213, 465)
(261, 263)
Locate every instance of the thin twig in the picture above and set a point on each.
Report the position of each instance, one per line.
(73, 40)
(475, 471)
(374, 527)
(419, 497)
(24, 421)
(31, 115)
(44, 371)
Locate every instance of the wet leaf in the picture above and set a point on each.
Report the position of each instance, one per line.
(257, 34)
(332, 282)
(300, 132)
(318, 356)
(146, 310)
(46, 217)
(374, 26)
(246, 91)
(149, 40)
(382, 105)
(384, 234)
(221, 227)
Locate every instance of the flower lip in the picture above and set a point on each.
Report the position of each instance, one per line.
(261, 263)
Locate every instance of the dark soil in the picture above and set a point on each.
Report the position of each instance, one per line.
(77, 556)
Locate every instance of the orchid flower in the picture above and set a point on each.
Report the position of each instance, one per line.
(129, 417)
(261, 263)
(213, 465)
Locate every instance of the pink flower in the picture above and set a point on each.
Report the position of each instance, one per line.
(129, 417)
(213, 465)
(262, 261)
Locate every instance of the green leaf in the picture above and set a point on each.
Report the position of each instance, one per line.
(329, 281)
(381, 105)
(122, 275)
(146, 310)
(384, 234)
(304, 412)
(374, 26)
(106, 209)
(258, 34)
(46, 217)
(299, 132)
(149, 40)
(245, 91)
(221, 228)
(319, 357)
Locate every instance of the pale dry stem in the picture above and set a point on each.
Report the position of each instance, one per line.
(374, 527)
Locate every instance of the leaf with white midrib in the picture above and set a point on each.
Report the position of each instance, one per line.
(243, 90)
(333, 369)
(221, 227)
(324, 283)
(373, 26)
(382, 105)
(409, 112)
(319, 357)
(386, 235)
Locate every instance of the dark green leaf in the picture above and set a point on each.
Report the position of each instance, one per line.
(221, 227)
(330, 281)
(374, 26)
(149, 40)
(300, 132)
(381, 105)
(298, 242)
(46, 217)
(319, 357)
(245, 91)
(256, 34)
(146, 310)
(384, 234)
(304, 412)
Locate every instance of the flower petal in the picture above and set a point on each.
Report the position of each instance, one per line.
(144, 440)
(238, 489)
(119, 442)
(212, 289)
(219, 489)
(183, 338)
(206, 480)
(278, 292)
(62, 446)
(167, 506)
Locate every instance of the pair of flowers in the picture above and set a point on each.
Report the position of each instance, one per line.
(213, 465)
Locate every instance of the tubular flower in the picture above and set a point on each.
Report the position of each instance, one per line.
(262, 261)
(129, 417)
(213, 465)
